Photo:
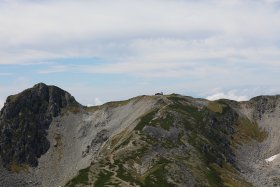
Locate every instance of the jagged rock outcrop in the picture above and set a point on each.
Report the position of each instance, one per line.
(24, 121)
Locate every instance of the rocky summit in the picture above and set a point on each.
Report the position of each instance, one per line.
(48, 139)
(25, 120)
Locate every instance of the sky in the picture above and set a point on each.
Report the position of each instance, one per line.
(108, 50)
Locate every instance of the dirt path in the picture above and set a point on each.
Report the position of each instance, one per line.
(115, 176)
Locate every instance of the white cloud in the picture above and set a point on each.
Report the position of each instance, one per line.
(98, 101)
(204, 43)
(228, 95)
(151, 30)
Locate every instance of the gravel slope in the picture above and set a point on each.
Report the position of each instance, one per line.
(252, 157)
(75, 138)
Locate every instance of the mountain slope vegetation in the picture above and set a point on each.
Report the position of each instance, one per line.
(48, 139)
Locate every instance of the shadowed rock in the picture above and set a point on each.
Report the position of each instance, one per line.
(24, 120)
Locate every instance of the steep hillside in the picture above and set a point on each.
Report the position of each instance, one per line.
(24, 121)
(180, 142)
(257, 160)
(48, 139)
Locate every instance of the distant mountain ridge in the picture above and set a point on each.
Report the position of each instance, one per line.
(48, 139)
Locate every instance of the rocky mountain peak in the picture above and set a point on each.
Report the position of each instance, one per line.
(166, 140)
(40, 98)
(24, 120)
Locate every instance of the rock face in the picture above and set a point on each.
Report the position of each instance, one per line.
(24, 121)
(48, 139)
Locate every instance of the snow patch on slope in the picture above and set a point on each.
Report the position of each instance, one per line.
(272, 158)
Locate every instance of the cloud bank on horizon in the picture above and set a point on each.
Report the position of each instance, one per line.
(117, 49)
